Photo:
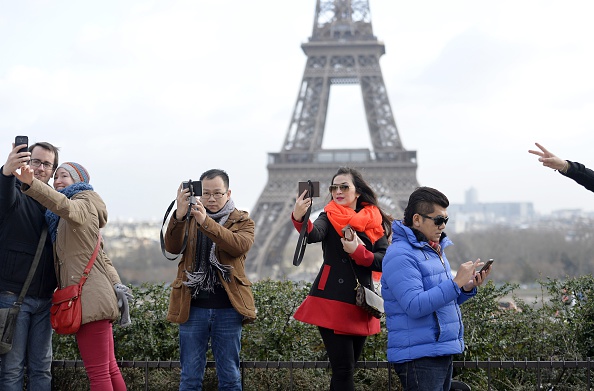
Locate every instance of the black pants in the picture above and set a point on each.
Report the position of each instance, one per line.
(343, 352)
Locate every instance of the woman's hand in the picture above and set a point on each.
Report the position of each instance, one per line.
(301, 206)
(350, 246)
(26, 175)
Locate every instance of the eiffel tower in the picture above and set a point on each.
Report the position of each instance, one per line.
(341, 50)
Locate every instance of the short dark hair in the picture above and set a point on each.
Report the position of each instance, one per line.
(215, 172)
(49, 147)
(422, 201)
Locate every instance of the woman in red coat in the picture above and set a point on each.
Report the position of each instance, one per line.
(330, 304)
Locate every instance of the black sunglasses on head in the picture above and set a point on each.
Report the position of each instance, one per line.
(438, 220)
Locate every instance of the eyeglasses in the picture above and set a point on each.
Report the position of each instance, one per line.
(342, 188)
(36, 163)
(217, 196)
(438, 220)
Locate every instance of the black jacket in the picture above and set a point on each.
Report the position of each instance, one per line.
(581, 174)
(21, 223)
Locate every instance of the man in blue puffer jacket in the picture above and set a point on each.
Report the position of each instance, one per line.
(422, 298)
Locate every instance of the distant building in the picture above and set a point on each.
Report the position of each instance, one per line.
(474, 215)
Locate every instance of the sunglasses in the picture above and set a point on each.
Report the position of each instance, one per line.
(342, 188)
(438, 220)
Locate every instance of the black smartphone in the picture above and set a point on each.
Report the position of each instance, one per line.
(303, 186)
(196, 189)
(20, 140)
(486, 265)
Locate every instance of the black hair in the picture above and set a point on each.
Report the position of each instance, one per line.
(215, 172)
(422, 201)
(367, 195)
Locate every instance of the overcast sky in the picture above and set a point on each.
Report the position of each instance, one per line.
(146, 94)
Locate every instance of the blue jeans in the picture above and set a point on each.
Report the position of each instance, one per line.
(31, 346)
(223, 328)
(426, 374)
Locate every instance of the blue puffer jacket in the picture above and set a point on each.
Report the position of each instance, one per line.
(421, 300)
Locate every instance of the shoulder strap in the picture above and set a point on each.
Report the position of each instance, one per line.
(40, 246)
(355, 273)
(91, 262)
(302, 241)
(185, 235)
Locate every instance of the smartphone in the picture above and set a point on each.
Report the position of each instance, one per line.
(20, 140)
(303, 186)
(486, 265)
(348, 233)
(196, 187)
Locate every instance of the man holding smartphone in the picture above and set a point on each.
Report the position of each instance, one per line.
(21, 222)
(422, 297)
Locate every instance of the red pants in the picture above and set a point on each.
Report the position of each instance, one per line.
(95, 343)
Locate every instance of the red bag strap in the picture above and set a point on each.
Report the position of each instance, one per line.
(91, 262)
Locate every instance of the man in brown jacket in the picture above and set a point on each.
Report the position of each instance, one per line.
(211, 297)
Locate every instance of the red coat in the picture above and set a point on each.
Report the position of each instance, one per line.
(331, 300)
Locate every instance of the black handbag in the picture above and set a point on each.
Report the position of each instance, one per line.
(8, 316)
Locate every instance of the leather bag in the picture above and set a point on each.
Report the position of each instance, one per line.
(66, 310)
(365, 297)
(369, 301)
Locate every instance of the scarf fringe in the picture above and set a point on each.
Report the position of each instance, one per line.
(205, 278)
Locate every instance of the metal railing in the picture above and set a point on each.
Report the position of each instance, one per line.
(489, 366)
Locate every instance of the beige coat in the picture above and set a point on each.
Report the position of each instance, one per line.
(232, 242)
(81, 217)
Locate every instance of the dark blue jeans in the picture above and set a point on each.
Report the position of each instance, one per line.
(31, 346)
(426, 374)
(222, 327)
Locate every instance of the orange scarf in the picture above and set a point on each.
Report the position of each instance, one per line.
(368, 219)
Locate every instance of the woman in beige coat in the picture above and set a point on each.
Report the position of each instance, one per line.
(75, 214)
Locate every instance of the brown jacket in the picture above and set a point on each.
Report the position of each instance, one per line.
(81, 217)
(232, 242)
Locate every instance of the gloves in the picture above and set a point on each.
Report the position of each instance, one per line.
(123, 294)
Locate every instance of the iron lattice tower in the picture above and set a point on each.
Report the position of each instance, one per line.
(341, 50)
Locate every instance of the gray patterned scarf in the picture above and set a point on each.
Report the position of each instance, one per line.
(204, 276)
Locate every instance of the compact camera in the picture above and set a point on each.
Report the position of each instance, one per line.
(312, 191)
(195, 189)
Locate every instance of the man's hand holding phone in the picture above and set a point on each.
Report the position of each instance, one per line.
(18, 157)
(481, 275)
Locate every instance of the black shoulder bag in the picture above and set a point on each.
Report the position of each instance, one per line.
(8, 316)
